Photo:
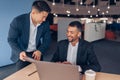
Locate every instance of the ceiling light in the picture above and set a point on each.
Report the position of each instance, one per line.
(93, 6)
(108, 4)
(108, 7)
(89, 11)
(68, 14)
(91, 16)
(68, 11)
(81, 2)
(77, 9)
(103, 13)
(96, 15)
(107, 11)
(98, 9)
(53, 2)
(56, 15)
(104, 21)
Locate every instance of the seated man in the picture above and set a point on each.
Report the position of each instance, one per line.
(75, 50)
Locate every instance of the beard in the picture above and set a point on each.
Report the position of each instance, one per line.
(71, 39)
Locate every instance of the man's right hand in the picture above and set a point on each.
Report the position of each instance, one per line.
(22, 55)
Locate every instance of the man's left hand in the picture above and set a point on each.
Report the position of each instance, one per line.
(66, 62)
(37, 55)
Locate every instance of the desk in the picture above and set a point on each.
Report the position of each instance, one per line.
(23, 75)
(105, 76)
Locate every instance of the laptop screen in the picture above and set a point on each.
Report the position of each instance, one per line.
(56, 71)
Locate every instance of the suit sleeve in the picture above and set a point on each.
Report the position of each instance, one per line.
(46, 38)
(92, 62)
(55, 57)
(13, 35)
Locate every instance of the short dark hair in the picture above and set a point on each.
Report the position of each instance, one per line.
(76, 24)
(41, 5)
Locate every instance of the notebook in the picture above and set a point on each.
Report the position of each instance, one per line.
(55, 71)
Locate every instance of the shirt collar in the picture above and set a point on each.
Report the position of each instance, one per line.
(75, 44)
(32, 22)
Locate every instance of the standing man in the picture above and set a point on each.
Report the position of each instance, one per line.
(29, 34)
(76, 51)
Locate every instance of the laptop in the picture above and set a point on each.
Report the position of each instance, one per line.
(55, 71)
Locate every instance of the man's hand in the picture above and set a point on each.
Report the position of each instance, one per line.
(22, 55)
(65, 62)
(37, 55)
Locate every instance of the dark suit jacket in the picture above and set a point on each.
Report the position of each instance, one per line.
(85, 55)
(18, 36)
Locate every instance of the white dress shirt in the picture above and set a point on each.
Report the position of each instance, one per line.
(32, 37)
(72, 54)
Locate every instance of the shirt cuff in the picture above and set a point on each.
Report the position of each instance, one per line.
(79, 69)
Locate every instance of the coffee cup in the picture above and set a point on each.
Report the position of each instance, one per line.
(90, 75)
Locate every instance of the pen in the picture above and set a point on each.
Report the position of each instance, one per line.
(32, 73)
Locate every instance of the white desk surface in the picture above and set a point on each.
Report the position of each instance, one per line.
(23, 75)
